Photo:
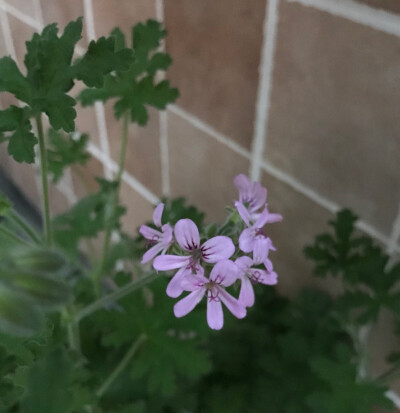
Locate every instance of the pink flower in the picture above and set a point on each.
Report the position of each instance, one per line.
(160, 241)
(250, 276)
(174, 288)
(251, 194)
(224, 274)
(188, 237)
(254, 238)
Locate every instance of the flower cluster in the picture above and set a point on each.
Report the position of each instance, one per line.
(206, 269)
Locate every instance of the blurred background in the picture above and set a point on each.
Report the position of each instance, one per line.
(302, 95)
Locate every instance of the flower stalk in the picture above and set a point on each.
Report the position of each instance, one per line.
(43, 171)
(107, 238)
(121, 365)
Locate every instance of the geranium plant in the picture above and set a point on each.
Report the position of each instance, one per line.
(50, 283)
(130, 327)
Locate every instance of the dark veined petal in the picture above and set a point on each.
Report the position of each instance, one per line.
(187, 235)
(217, 249)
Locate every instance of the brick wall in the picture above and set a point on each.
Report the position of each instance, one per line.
(302, 94)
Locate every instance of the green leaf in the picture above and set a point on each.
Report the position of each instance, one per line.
(12, 80)
(18, 314)
(137, 87)
(343, 391)
(88, 217)
(65, 150)
(21, 142)
(51, 386)
(171, 350)
(5, 205)
(101, 59)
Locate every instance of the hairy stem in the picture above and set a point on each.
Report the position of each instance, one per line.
(72, 330)
(11, 235)
(107, 238)
(43, 171)
(24, 226)
(114, 296)
(121, 365)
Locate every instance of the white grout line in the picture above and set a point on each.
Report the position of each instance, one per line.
(278, 174)
(89, 19)
(322, 201)
(163, 117)
(126, 177)
(201, 125)
(37, 7)
(6, 30)
(20, 16)
(395, 235)
(204, 127)
(394, 397)
(164, 154)
(360, 13)
(264, 88)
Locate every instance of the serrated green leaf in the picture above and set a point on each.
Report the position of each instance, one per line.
(12, 80)
(21, 143)
(137, 88)
(63, 151)
(102, 58)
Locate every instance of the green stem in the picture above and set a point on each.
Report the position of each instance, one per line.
(13, 236)
(72, 330)
(121, 365)
(22, 224)
(114, 296)
(107, 238)
(43, 171)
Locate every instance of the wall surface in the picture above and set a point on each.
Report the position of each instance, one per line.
(304, 95)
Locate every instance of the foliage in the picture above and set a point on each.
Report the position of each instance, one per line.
(82, 333)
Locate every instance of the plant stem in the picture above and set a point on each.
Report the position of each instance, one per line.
(121, 365)
(114, 296)
(21, 223)
(107, 238)
(43, 171)
(72, 330)
(12, 236)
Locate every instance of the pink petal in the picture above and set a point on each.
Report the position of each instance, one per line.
(268, 265)
(246, 295)
(244, 263)
(170, 262)
(217, 248)
(215, 316)
(243, 212)
(267, 218)
(259, 196)
(187, 235)
(152, 252)
(232, 304)
(174, 288)
(187, 304)
(150, 233)
(157, 215)
(268, 278)
(242, 183)
(246, 241)
(191, 282)
(260, 250)
(225, 273)
(167, 234)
